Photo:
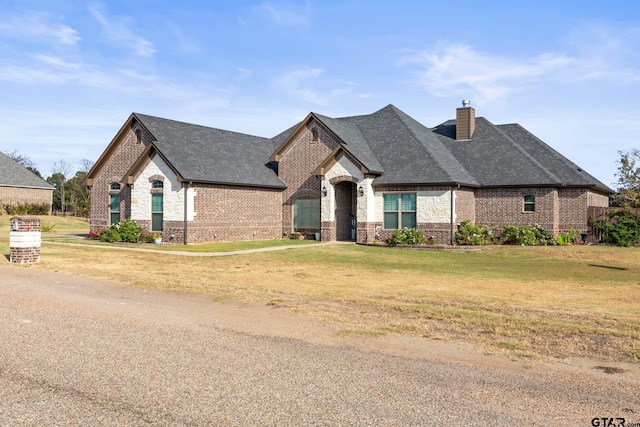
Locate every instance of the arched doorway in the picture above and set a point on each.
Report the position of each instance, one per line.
(346, 211)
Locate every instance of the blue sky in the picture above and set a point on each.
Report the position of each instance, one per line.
(72, 72)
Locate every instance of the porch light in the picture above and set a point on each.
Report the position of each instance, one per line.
(324, 191)
(360, 191)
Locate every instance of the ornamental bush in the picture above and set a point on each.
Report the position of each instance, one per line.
(125, 231)
(470, 234)
(526, 235)
(406, 236)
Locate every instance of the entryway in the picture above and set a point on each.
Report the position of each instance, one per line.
(346, 210)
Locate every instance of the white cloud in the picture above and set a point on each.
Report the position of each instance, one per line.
(119, 30)
(39, 26)
(295, 83)
(459, 69)
(281, 15)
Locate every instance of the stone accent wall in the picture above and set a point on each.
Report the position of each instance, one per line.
(122, 155)
(296, 168)
(225, 213)
(18, 195)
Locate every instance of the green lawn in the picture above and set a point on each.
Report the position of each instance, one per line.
(59, 224)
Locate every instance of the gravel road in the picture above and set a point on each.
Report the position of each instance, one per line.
(82, 352)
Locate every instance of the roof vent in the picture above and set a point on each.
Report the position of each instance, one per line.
(466, 103)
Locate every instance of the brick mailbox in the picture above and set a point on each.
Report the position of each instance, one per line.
(24, 239)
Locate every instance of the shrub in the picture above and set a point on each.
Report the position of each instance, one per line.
(526, 235)
(621, 229)
(470, 234)
(406, 236)
(47, 228)
(28, 209)
(125, 231)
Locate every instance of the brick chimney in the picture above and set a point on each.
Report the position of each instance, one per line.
(465, 121)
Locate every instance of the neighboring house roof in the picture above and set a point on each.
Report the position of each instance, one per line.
(203, 154)
(13, 174)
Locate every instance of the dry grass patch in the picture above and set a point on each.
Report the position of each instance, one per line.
(529, 302)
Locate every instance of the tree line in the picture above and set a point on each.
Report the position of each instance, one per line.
(70, 196)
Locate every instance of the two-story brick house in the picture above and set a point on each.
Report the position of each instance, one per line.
(353, 178)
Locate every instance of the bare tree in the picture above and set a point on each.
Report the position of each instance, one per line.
(24, 161)
(61, 171)
(85, 165)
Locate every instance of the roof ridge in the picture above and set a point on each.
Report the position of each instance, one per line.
(200, 126)
(396, 110)
(526, 154)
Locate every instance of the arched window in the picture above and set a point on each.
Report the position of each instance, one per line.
(314, 135)
(115, 186)
(157, 184)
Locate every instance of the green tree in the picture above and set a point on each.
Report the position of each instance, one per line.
(628, 179)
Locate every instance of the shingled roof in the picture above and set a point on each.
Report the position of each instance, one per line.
(388, 143)
(13, 174)
(204, 154)
(404, 151)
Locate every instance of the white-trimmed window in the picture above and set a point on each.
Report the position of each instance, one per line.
(306, 214)
(114, 208)
(157, 202)
(529, 203)
(114, 203)
(399, 210)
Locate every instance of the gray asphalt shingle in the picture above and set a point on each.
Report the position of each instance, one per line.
(13, 174)
(388, 142)
(204, 154)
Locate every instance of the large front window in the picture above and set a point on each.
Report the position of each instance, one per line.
(156, 212)
(399, 210)
(306, 214)
(114, 208)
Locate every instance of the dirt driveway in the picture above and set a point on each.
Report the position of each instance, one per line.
(78, 352)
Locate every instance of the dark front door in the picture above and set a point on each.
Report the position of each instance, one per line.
(346, 211)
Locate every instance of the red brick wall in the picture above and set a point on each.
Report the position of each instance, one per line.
(496, 207)
(124, 154)
(16, 196)
(296, 167)
(232, 213)
(465, 203)
(573, 207)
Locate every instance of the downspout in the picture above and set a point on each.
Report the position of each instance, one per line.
(452, 209)
(186, 204)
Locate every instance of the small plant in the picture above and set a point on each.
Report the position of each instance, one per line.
(406, 236)
(568, 237)
(470, 234)
(47, 228)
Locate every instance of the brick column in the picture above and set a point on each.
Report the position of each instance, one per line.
(24, 239)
